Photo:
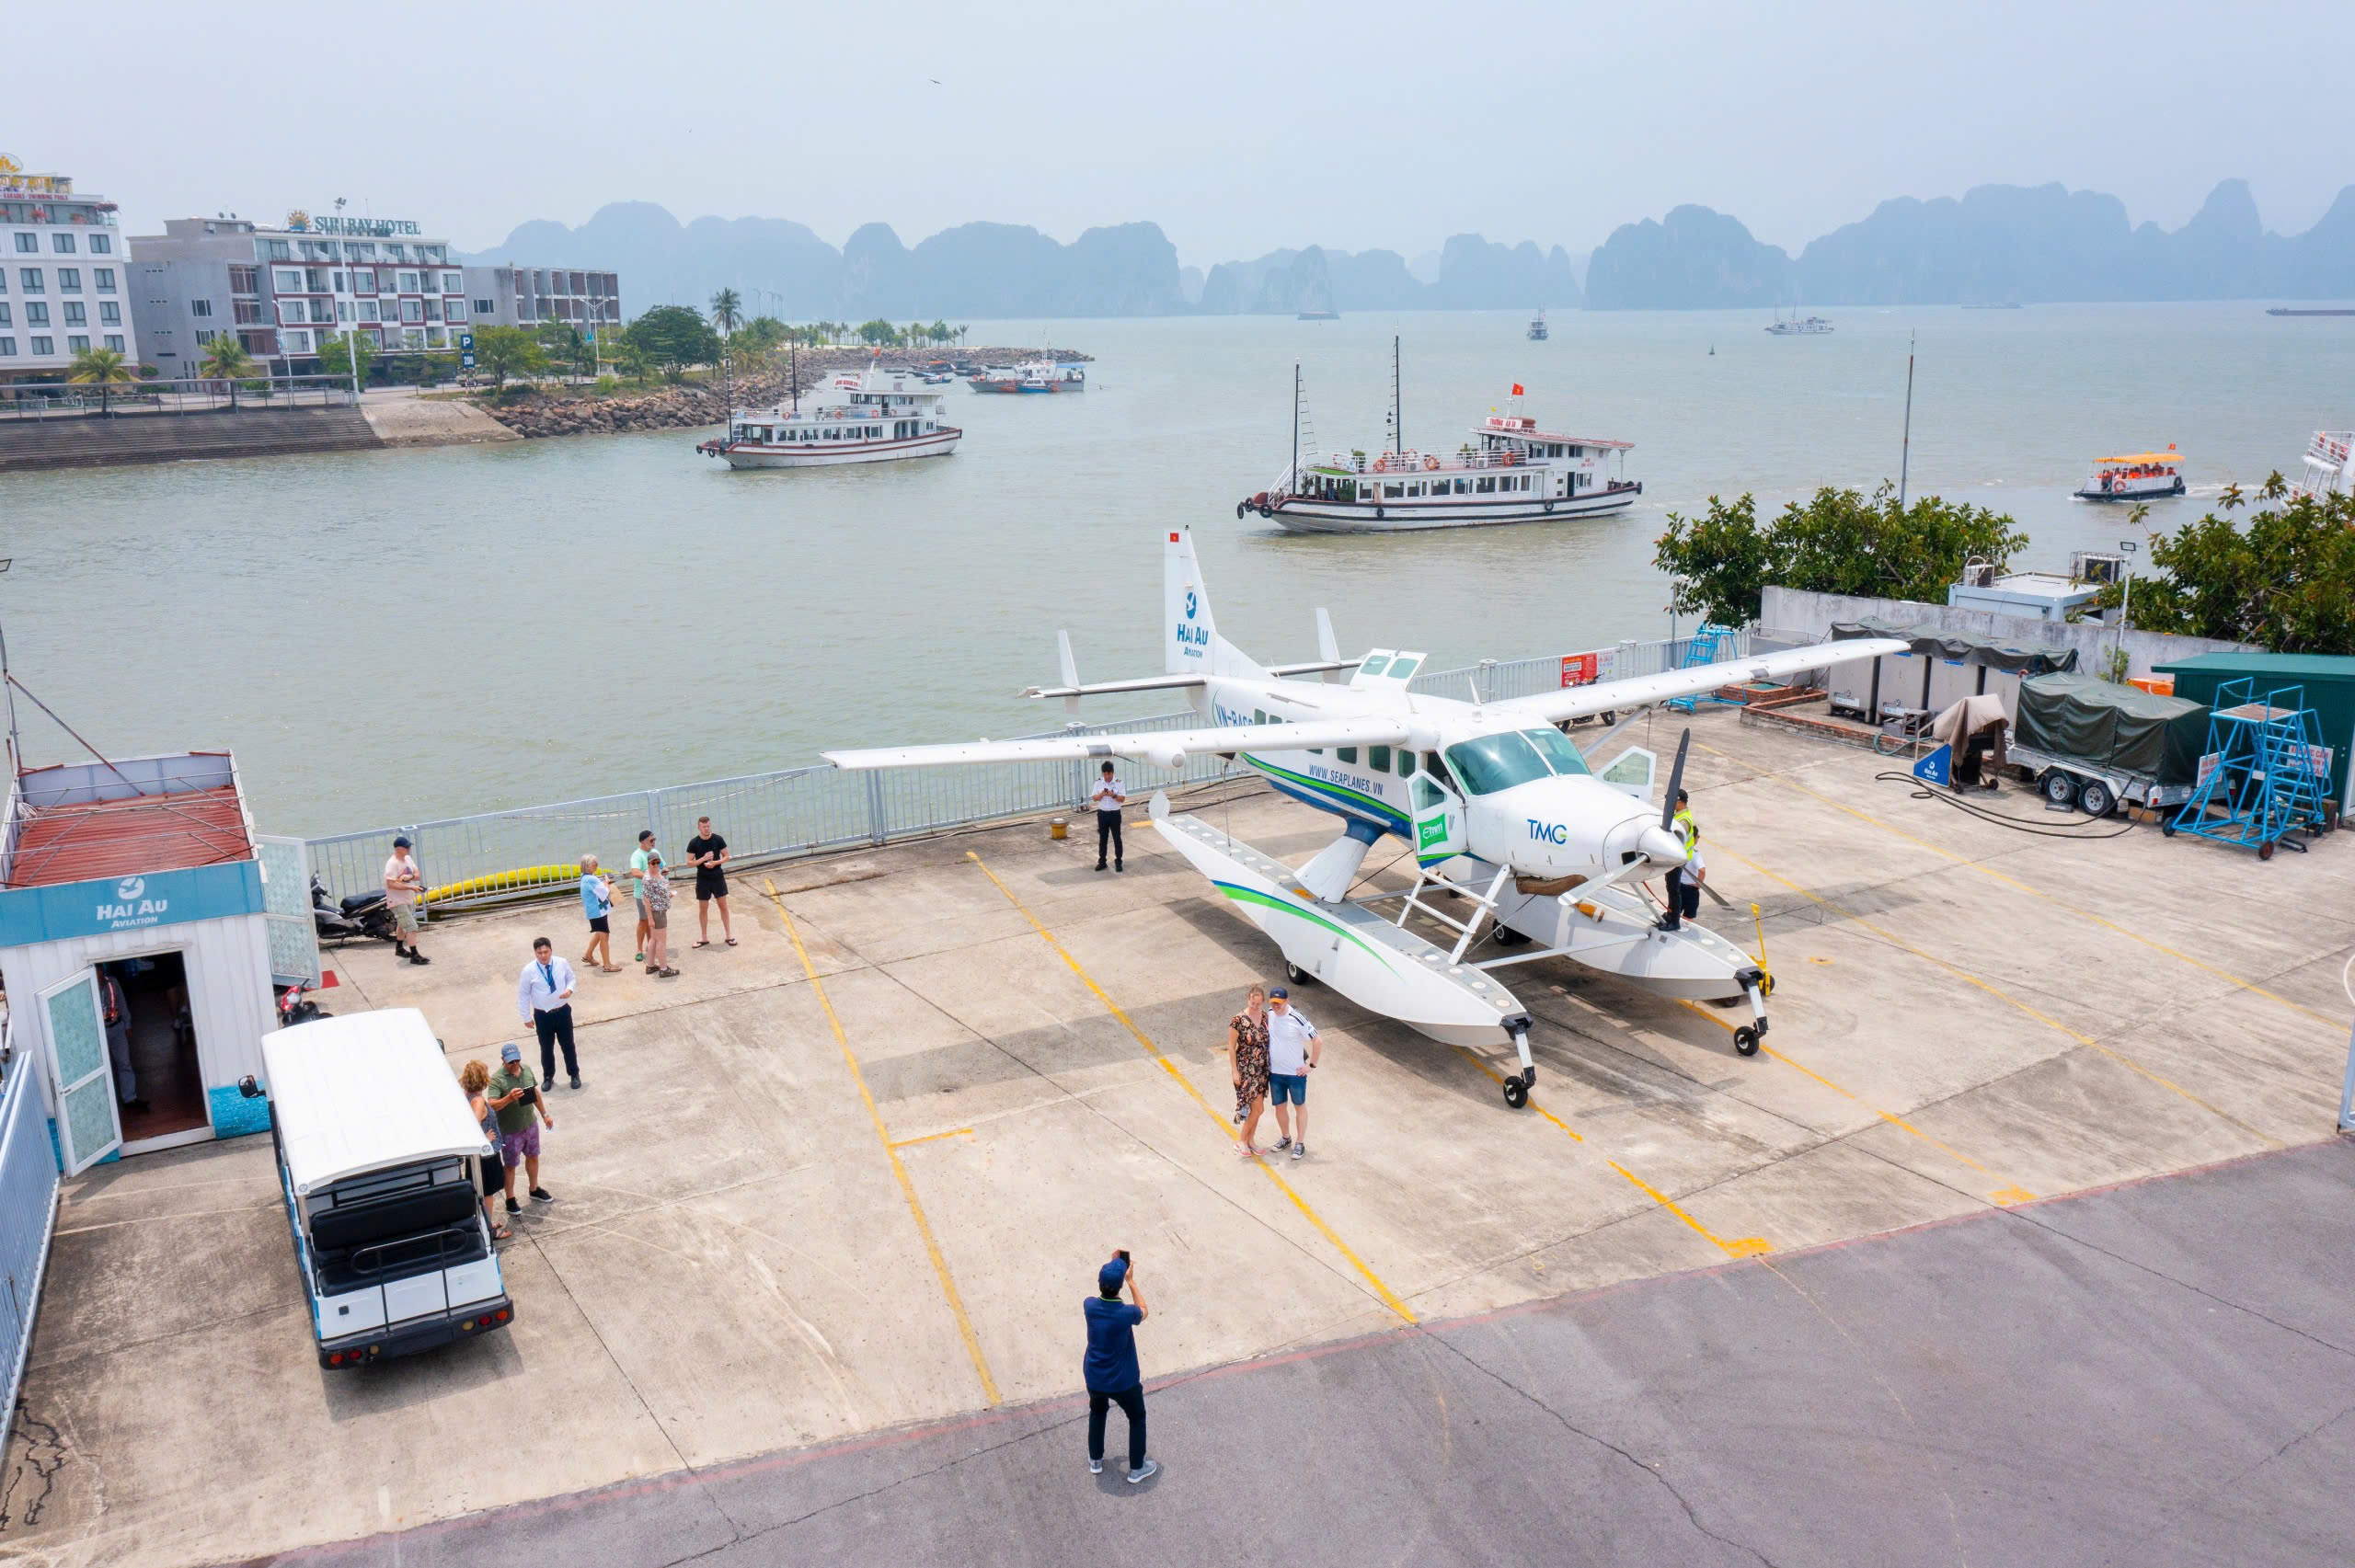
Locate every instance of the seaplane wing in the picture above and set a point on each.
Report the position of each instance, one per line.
(1166, 748)
(1640, 690)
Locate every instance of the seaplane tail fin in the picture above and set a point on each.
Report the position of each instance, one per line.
(1193, 645)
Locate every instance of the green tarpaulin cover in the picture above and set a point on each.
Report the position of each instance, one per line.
(2091, 720)
(2027, 659)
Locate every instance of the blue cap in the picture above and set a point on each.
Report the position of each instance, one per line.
(1109, 1278)
(511, 1051)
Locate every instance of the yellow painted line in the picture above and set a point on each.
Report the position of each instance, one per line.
(1388, 1296)
(932, 1138)
(2004, 996)
(2002, 1195)
(1739, 1247)
(891, 1152)
(2151, 942)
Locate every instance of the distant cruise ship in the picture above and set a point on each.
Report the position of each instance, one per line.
(1810, 326)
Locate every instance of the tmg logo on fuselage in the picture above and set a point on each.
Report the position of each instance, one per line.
(1547, 832)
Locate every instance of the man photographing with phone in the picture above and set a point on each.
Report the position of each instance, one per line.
(1111, 1366)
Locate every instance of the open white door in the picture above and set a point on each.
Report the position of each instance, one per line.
(286, 905)
(1632, 770)
(1439, 821)
(89, 1125)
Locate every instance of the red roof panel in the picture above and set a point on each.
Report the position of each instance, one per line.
(85, 840)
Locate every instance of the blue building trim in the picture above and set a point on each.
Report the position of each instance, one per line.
(72, 910)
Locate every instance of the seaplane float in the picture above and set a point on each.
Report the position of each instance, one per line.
(1501, 809)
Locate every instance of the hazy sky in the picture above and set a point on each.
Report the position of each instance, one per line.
(1238, 128)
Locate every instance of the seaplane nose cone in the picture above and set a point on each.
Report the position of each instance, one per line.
(1661, 846)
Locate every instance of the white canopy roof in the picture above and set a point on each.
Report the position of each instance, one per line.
(364, 1093)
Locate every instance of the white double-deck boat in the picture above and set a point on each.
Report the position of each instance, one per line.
(1797, 326)
(1040, 376)
(878, 416)
(2327, 464)
(1510, 472)
(2134, 476)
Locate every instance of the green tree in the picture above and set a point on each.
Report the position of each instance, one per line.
(1836, 541)
(760, 335)
(674, 338)
(226, 360)
(104, 368)
(335, 355)
(2285, 582)
(508, 350)
(727, 311)
(631, 356)
(880, 332)
(939, 332)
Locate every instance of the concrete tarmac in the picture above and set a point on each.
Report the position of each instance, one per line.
(851, 1176)
(2157, 1374)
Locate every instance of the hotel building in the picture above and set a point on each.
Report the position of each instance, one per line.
(509, 295)
(63, 276)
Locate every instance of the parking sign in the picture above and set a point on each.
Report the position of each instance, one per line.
(467, 342)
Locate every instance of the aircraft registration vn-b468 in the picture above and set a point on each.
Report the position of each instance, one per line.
(1501, 808)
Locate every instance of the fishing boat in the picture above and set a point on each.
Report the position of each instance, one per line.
(1537, 329)
(883, 415)
(2334, 310)
(1509, 471)
(1038, 378)
(2328, 466)
(1798, 326)
(2134, 476)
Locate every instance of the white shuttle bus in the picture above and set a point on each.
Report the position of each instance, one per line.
(378, 1161)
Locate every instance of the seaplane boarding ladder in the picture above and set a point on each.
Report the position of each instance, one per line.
(1702, 648)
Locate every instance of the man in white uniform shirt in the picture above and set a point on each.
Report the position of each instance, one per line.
(1293, 1050)
(1107, 798)
(543, 996)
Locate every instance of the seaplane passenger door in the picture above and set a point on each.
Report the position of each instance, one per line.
(1438, 815)
(1631, 771)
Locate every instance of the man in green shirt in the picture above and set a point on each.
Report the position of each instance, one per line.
(514, 1094)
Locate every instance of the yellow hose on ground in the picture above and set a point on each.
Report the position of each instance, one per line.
(502, 882)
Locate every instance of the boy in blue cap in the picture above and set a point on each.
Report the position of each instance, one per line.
(1111, 1367)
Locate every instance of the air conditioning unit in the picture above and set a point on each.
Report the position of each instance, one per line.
(2086, 566)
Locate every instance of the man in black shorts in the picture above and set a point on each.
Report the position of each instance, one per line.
(708, 852)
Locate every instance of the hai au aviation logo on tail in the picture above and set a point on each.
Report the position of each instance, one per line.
(132, 907)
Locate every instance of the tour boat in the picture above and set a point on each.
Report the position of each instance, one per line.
(2134, 476)
(2326, 472)
(1796, 326)
(1510, 472)
(886, 417)
(1040, 376)
(1537, 329)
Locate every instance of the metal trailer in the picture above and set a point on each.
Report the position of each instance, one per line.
(2091, 787)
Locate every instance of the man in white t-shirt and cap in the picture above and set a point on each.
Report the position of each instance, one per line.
(403, 883)
(1108, 797)
(1293, 1050)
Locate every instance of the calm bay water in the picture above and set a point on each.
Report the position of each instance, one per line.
(400, 636)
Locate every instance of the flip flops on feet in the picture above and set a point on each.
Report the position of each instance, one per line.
(704, 943)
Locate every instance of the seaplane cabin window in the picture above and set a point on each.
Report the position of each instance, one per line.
(1346, 754)
(1378, 759)
(1486, 485)
(1259, 716)
(1374, 664)
(1400, 669)
(1405, 763)
(1425, 795)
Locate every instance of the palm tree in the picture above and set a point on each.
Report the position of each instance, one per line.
(226, 359)
(104, 366)
(727, 311)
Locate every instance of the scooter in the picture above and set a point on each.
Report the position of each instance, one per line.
(295, 1006)
(360, 915)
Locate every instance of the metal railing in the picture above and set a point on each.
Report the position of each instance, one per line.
(28, 1181)
(188, 394)
(473, 861)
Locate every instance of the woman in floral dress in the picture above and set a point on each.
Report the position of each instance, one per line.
(1246, 1050)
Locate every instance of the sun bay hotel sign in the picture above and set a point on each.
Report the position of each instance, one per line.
(301, 222)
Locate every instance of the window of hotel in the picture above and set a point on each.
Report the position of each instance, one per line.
(244, 280)
(288, 280)
(315, 279)
(274, 250)
(69, 279)
(363, 280)
(44, 345)
(247, 313)
(451, 282)
(114, 341)
(321, 310)
(200, 307)
(36, 314)
(298, 342)
(28, 242)
(205, 334)
(412, 338)
(30, 277)
(396, 252)
(105, 277)
(62, 243)
(101, 245)
(482, 308)
(368, 310)
(408, 282)
(357, 251)
(412, 310)
(343, 310)
(75, 314)
(5, 319)
(7, 347)
(336, 278)
(77, 344)
(433, 253)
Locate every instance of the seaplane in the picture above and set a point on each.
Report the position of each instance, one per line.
(1507, 820)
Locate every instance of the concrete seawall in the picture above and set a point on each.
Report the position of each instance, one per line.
(28, 444)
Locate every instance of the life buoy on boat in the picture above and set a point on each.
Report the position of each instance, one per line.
(1382, 466)
(1429, 464)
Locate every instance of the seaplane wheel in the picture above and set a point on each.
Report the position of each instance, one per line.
(1516, 1092)
(1745, 1041)
(1507, 937)
(1297, 975)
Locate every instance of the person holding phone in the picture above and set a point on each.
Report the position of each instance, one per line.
(1109, 1368)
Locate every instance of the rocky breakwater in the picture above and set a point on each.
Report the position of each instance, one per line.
(557, 410)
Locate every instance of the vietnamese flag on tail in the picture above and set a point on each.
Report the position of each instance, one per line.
(1516, 389)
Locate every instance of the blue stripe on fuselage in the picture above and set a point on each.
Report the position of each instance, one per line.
(1310, 795)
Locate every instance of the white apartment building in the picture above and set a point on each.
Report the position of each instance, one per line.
(62, 282)
(509, 295)
(286, 289)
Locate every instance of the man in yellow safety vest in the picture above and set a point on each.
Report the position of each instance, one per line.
(1684, 881)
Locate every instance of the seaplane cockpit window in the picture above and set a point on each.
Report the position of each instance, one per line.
(1401, 668)
(1556, 747)
(1496, 762)
(1374, 664)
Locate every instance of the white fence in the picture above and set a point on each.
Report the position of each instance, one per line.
(800, 811)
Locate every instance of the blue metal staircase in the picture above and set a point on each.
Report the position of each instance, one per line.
(2264, 774)
(1700, 648)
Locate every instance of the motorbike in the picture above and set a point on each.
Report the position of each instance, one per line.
(295, 1006)
(359, 915)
